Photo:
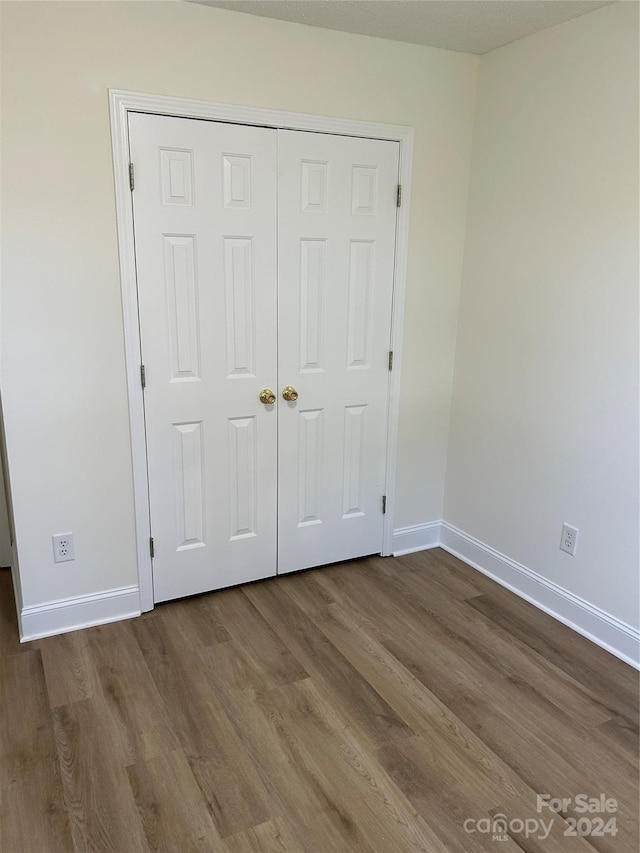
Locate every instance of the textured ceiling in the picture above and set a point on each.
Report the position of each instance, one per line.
(475, 26)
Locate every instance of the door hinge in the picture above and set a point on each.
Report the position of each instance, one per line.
(151, 548)
(390, 359)
(131, 177)
(398, 197)
(384, 504)
(143, 376)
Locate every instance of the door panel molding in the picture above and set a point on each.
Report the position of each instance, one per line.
(121, 103)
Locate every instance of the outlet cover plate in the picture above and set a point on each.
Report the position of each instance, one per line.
(63, 549)
(569, 539)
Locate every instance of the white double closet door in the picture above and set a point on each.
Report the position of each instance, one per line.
(264, 260)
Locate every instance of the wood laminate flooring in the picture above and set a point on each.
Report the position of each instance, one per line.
(379, 705)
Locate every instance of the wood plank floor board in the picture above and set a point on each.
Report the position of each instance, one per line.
(273, 836)
(195, 618)
(621, 737)
(365, 795)
(374, 706)
(69, 668)
(33, 815)
(359, 701)
(234, 792)
(448, 571)
(25, 726)
(129, 694)
(172, 807)
(259, 641)
(504, 653)
(275, 750)
(587, 663)
(97, 796)
(32, 810)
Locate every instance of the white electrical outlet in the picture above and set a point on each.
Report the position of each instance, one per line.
(569, 540)
(63, 549)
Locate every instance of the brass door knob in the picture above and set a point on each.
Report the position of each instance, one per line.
(267, 396)
(290, 393)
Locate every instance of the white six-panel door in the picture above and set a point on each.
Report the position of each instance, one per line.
(205, 230)
(264, 259)
(336, 239)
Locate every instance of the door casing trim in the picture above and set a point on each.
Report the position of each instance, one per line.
(121, 103)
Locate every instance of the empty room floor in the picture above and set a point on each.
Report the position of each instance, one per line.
(382, 705)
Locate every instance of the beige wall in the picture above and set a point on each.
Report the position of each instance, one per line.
(545, 414)
(63, 378)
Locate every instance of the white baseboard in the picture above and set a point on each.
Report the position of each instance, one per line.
(419, 537)
(72, 614)
(622, 640)
(607, 631)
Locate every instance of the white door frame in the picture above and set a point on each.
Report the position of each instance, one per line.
(120, 104)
